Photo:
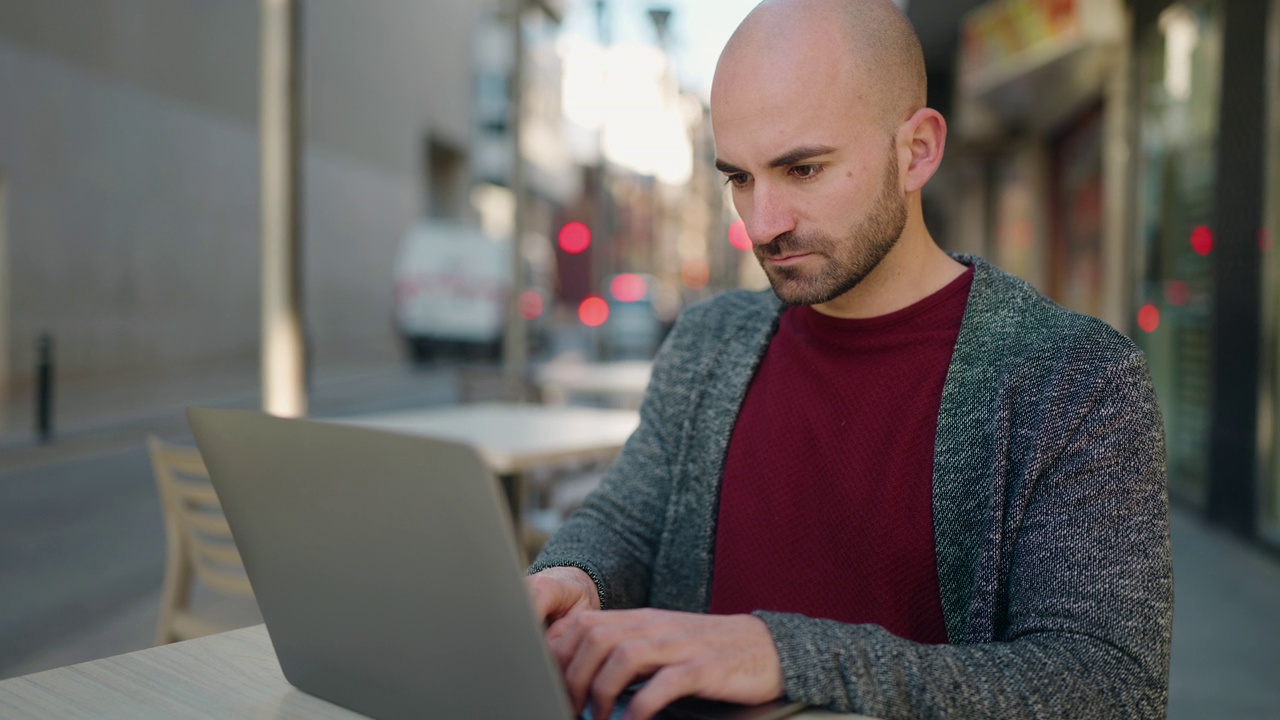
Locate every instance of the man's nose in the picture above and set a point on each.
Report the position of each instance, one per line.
(770, 216)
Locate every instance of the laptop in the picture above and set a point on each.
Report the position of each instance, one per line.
(387, 572)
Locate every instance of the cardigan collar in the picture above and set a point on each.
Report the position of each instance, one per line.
(965, 501)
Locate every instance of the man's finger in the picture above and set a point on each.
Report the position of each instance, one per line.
(564, 636)
(559, 591)
(555, 631)
(665, 687)
(630, 662)
(586, 647)
(540, 596)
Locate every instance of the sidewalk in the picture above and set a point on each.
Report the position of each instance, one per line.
(96, 403)
(93, 415)
(1226, 626)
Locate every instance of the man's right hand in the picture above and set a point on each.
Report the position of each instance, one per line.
(561, 591)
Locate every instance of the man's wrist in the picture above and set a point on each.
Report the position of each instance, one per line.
(574, 575)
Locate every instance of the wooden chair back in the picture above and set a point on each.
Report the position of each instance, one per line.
(199, 541)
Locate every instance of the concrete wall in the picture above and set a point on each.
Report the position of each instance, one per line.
(129, 150)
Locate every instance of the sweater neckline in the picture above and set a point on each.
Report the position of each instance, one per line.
(814, 323)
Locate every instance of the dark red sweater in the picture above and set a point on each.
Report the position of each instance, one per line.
(826, 502)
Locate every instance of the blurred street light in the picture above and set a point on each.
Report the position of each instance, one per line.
(574, 238)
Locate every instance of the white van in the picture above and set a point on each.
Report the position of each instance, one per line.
(452, 284)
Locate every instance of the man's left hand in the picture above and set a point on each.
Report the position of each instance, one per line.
(717, 657)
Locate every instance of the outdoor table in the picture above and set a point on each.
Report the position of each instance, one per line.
(229, 675)
(620, 382)
(515, 438)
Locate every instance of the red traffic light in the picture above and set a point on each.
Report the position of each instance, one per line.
(593, 311)
(574, 238)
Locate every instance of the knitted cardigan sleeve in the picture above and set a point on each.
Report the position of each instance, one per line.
(614, 536)
(630, 534)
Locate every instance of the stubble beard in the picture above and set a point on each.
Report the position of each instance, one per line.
(848, 259)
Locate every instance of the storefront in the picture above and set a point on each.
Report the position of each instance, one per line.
(1121, 151)
(1041, 109)
(1179, 69)
(1204, 278)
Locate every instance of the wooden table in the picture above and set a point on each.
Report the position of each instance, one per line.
(515, 438)
(229, 675)
(621, 383)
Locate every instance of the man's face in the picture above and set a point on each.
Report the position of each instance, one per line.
(836, 262)
(813, 171)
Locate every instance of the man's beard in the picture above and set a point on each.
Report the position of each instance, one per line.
(848, 259)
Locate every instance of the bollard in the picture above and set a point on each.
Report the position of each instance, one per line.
(44, 389)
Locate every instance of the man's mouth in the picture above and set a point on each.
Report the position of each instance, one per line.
(787, 259)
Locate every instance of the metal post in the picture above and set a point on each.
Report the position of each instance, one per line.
(44, 389)
(604, 246)
(515, 348)
(283, 350)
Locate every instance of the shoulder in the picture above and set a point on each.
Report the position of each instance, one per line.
(1027, 367)
(731, 307)
(715, 337)
(1009, 322)
(714, 319)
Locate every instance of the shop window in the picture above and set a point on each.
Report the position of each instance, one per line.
(1019, 212)
(1076, 267)
(1179, 66)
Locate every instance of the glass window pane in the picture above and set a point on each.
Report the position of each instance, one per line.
(1179, 73)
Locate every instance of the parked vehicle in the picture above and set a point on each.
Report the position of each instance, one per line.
(633, 329)
(452, 288)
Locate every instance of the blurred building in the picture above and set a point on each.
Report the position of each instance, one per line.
(553, 179)
(129, 170)
(652, 198)
(1122, 156)
(1206, 81)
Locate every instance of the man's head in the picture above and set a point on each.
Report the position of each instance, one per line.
(820, 127)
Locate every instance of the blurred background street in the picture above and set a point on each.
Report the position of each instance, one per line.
(334, 208)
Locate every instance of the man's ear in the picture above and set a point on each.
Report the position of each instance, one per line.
(920, 142)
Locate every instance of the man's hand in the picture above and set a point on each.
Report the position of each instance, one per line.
(559, 592)
(718, 657)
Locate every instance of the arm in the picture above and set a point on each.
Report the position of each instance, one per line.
(1088, 608)
(614, 535)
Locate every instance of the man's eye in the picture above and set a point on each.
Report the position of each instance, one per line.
(737, 179)
(804, 172)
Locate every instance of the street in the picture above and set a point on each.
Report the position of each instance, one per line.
(81, 534)
(79, 541)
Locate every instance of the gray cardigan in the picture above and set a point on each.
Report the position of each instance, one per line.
(1050, 517)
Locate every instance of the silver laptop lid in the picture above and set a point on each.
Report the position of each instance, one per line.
(385, 567)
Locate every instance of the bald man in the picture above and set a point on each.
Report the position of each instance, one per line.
(903, 483)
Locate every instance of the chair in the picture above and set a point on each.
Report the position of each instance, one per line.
(199, 542)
